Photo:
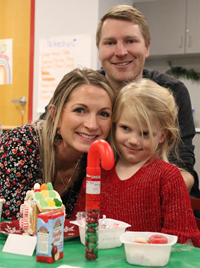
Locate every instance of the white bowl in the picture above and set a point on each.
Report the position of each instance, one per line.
(147, 254)
(108, 238)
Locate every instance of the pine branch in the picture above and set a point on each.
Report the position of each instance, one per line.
(190, 74)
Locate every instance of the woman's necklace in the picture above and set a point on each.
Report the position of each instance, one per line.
(66, 185)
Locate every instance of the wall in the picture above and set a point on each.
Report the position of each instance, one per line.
(58, 18)
(66, 17)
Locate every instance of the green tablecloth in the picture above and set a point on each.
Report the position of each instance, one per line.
(182, 256)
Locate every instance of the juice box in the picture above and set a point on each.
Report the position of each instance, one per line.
(50, 238)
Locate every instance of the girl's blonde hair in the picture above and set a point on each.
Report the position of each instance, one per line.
(149, 104)
(47, 128)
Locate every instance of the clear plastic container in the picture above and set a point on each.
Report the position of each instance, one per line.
(109, 237)
(147, 254)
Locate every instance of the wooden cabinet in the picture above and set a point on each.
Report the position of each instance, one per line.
(174, 26)
(192, 44)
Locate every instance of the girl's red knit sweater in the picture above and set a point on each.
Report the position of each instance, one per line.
(154, 199)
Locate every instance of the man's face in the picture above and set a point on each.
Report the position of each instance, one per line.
(122, 51)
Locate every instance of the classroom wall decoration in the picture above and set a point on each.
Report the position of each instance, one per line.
(58, 56)
(6, 59)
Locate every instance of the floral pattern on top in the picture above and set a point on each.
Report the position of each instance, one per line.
(20, 167)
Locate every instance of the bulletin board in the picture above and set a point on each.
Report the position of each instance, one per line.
(59, 55)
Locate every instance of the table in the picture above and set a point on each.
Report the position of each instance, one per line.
(182, 256)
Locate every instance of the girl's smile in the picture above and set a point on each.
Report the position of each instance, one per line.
(133, 142)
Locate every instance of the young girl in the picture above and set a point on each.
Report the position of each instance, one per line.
(143, 189)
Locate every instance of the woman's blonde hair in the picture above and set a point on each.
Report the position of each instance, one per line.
(149, 104)
(48, 128)
(127, 13)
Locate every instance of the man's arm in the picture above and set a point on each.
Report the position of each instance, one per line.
(189, 179)
(186, 148)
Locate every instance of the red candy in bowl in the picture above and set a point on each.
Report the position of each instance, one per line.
(158, 239)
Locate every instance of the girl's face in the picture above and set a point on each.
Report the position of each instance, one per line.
(132, 145)
(86, 117)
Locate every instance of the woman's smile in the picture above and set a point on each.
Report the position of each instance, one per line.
(85, 118)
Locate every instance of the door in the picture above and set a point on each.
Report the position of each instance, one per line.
(15, 24)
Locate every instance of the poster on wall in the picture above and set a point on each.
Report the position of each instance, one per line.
(58, 56)
(6, 61)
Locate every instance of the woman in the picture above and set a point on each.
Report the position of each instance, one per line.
(55, 149)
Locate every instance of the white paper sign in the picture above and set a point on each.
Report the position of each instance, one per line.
(58, 56)
(68, 266)
(20, 244)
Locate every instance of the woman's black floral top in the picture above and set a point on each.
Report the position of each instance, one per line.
(20, 167)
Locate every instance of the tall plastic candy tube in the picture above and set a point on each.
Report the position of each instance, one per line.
(100, 149)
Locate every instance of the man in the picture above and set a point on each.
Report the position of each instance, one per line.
(123, 41)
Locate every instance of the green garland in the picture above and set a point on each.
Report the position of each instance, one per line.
(182, 72)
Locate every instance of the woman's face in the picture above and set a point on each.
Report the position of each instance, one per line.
(86, 117)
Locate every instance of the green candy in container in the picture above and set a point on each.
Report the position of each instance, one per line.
(100, 149)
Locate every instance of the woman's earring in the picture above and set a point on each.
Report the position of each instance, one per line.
(57, 139)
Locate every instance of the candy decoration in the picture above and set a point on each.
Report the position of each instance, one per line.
(43, 187)
(43, 203)
(50, 202)
(23, 224)
(141, 240)
(38, 196)
(100, 149)
(57, 202)
(36, 187)
(49, 186)
(45, 193)
(158, 239)
(24, 210)
(52, 194)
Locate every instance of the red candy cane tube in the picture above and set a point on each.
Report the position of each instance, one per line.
(100, 149)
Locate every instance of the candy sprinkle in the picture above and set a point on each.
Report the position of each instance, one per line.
(38, 196)
(36, 187)
(49, 186)
(43, 203)
(45, 193)
(43, 187)
(58, 203)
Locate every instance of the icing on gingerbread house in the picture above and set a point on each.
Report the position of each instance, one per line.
(42, 199)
